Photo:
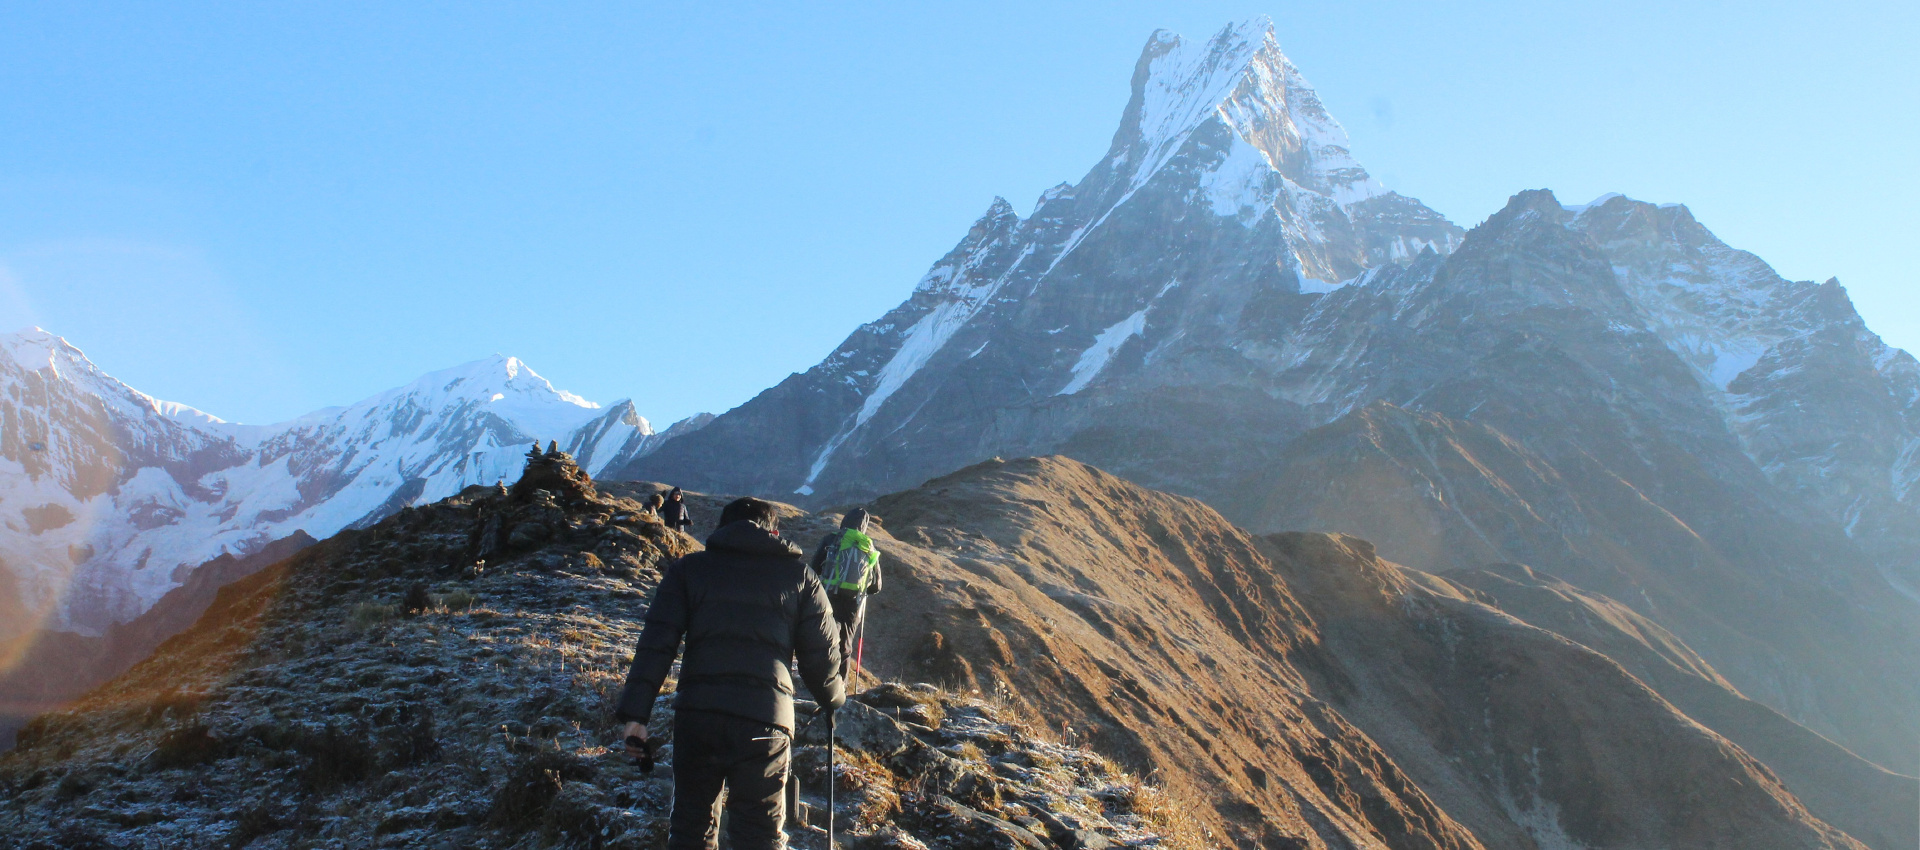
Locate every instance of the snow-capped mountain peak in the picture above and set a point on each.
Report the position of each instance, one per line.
(1241, 78)
(107, 495)
(34, 349)
(1223, 144)
(500, 386)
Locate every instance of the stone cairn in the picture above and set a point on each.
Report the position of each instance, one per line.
(555, 472)
(529, 512)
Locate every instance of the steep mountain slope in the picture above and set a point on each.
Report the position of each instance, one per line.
(1868, 801)
(1497, 719)
(1155, 631)
(54, 667)
(1828, 411)
(109, 496)
(1300, 686)
(1107, 323)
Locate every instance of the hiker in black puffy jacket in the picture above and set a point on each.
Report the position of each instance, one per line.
(747, 606)
(674, 512)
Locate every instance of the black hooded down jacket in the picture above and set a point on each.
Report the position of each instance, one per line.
(746, 607)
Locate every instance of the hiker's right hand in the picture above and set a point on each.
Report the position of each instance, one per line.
(636, 730)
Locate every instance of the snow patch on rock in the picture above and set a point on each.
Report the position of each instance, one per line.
(1242, 181)
(1105, 344)
(961, 298)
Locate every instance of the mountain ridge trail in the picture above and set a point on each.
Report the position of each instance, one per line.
(481, 639)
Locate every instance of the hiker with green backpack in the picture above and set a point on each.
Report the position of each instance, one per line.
(849, 566)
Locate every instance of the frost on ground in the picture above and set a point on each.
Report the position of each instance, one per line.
(445, 679)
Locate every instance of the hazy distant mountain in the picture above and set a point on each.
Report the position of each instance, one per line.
(1228, 307)
(109, 496)
(1613, 396)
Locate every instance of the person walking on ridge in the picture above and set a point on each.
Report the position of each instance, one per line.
(747, 606)
(674, 512)
(848, 564)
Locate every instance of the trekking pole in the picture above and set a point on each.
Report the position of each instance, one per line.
(830, 778)
(860, 635)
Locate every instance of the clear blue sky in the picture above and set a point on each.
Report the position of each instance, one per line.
(261, 209)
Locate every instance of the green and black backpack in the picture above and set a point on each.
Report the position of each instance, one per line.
(849, 566)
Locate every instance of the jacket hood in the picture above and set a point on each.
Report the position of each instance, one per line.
(748, 538)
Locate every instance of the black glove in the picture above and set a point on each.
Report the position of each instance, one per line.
(648, 749)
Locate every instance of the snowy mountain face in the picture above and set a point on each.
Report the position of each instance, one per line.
(108, 496)
(1827, 410)
(1227, 191)
(1228, 307)
(1612, 395)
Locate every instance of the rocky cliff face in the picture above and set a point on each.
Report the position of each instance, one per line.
(1606, 392)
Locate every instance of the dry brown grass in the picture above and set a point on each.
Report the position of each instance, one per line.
(1159, 813)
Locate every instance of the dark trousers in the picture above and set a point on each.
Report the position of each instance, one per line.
(749, 759)
(847, 612)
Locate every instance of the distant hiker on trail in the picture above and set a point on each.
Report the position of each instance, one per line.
(849, 565)
(653, 504)
(674, 512)
(747, 606)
